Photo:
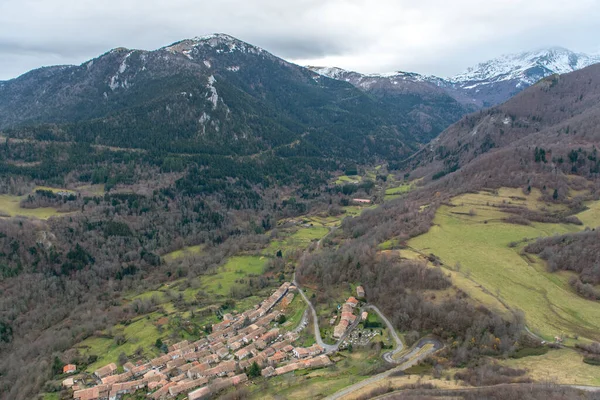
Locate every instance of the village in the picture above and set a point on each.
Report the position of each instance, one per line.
(239, 347)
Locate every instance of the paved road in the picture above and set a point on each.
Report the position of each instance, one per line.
(405, 363)
(389, 356)
(328, 347)
(303, 322)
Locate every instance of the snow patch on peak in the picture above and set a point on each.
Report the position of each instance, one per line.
(330, 72)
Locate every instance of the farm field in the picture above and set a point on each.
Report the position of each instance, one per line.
(341, 180)
(395, 192)
(472, 235)
(234, 269)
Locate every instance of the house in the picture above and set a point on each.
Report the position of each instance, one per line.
(125, 388)
(140, 369)
(69, 369)
(364, 316)
(340, 329)
(112, 379)
(352, 302)
(267, 372)
(160, 362)
(242, 353)
(105, 371)
(96, 392)
(277, 357)
(178, 346)
(287, 368)
(302, 352)
(362, 201)
(360, 292)
(287, 299)
(68, 383)
(200, 394)
(128, 366)
(155, 385)
(260, 344)
(222, 353)
(270, 336)
(163, 391)
(186, 386)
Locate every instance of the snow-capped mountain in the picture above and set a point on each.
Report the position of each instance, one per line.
(528, 67)
(497, 80)
(487, 84)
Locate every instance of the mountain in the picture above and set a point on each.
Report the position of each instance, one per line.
(218, 95)
(497, 80)
(552, 126)
(485, 85)
(423, 99)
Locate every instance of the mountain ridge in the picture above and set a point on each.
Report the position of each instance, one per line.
(491, 82)
(218, 92)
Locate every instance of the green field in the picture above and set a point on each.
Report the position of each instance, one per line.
(140, 333)
(234, 269)
(395, 192)
(342, 180)
(485, 258)
(182, 253)
(10, 207)
(591, 217)
(298, 240)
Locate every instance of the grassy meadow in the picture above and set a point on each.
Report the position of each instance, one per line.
(182, 253)
(472, 240)
(234, 269)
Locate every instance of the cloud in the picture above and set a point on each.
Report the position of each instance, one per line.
(428, 36)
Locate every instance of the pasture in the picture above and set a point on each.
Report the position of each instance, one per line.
(10, 207)
(234, 269)
(472, 240)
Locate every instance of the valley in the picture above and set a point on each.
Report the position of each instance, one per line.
(209, 220)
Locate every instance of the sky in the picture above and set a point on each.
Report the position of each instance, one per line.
(436, 37)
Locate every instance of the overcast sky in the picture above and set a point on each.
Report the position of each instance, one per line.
(440, 37)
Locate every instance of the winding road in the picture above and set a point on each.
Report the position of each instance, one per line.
(389, 356)
(329, 348)
(413, 357)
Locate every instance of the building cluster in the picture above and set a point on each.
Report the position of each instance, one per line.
(214, 363)
(347, 317)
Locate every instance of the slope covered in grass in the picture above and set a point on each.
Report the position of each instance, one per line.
(472, 237)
